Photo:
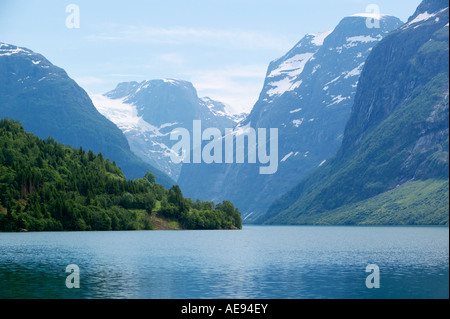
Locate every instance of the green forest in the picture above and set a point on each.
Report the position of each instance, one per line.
(46, 186)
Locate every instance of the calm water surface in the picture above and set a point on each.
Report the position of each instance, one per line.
(257, 262)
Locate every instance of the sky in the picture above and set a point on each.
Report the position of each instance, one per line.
(222, 46)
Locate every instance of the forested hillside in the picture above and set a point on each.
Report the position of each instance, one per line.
(46, 186)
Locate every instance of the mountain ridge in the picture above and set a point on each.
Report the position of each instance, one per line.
(49, 103)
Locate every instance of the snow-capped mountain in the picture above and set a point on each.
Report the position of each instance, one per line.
(148, 111)
(395, 141)
(48, 102)
(308, 95)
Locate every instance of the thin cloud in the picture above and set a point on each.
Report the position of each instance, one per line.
(188, 35)
(171, 58)
(120, 75)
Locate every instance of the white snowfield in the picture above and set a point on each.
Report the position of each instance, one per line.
(319, 38)
(291, 68)
(423, 17)
(122, 114)
(145, 139)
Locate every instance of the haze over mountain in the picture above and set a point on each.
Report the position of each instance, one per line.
(49, 103)
(308, 94)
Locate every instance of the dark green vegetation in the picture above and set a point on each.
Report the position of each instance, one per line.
(414, 203)
(46, 186)
(393, 166)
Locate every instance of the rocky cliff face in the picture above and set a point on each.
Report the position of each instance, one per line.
(398, 129)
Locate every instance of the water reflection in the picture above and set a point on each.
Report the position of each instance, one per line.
(255, 263)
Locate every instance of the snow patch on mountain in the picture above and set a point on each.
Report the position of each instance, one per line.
(279, 87)
(319, 38)
(286, 157)
(292, 67)
(296, 110)
(423, 17)
(336, 100)
(171, 81)
(8, 50)
(356, 71)
(299, 122)
(353, 41)
(124, 115)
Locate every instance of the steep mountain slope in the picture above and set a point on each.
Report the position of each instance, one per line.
(148, 111)
(307, 95)
(396, 137)
(49, 103)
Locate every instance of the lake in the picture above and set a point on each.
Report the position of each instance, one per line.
(258, 262)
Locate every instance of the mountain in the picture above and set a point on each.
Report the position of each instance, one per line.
(393, 165)
(148, 111)
(49, 103)
(308, 94)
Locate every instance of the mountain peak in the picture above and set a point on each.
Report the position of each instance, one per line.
(129, 90)
(285, 74)
(368, 15)
(8, 50)
(38, 62)
(358, 22)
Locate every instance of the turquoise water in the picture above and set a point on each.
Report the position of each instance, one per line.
(258, 262)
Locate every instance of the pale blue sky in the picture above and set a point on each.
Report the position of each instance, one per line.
(222, 46)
